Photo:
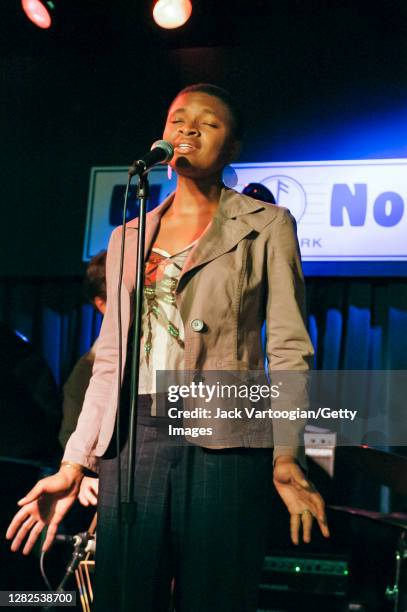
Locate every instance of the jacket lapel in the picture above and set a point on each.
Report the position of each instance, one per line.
(233, 221)
(152, 223)
(237, 217)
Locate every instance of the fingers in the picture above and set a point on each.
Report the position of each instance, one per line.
(95, 486)
(88, 492)
(320, 507)
(24, 523)
(35, 492)
(299, 494)
(313, 500)
(320, 514)
(22, 532)
(307, 520)
(51, 532)
(92, 497)
(323, 525)
(316, 507)
(82, 500)
(35, 532)
(16, 523)
(295, 521)
(88, 498)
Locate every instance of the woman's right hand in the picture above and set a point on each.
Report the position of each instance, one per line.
(46, 504)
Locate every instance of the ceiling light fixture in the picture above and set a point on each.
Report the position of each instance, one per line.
(171, 14)
(38, 12)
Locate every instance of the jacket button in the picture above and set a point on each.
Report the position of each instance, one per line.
(197, 325)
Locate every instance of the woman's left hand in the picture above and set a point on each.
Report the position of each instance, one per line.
(88, 493)
(303, 501)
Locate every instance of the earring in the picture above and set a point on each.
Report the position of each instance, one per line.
(169, 172)
(230, 177)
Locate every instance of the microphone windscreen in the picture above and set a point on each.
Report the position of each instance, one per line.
(166, 146)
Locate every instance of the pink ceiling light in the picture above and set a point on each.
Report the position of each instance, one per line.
(38, 12)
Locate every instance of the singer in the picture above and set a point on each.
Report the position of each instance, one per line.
(218, 264)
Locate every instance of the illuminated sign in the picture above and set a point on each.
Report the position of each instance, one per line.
(346, 211)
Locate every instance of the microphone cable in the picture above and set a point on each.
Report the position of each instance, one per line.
(83, 544)
(42, 570)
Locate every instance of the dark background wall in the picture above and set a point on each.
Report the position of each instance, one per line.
(316, 80)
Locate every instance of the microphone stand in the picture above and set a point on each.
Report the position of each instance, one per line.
(128, 503)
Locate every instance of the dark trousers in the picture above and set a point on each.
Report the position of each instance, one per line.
(202, 519)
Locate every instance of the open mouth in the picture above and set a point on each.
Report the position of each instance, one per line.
(185, 148)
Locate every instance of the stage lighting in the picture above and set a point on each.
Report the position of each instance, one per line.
(171, 14)
(38, 12)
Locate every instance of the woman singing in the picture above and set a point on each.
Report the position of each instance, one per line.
(218, 264)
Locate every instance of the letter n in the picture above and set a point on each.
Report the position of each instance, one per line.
(354, 203)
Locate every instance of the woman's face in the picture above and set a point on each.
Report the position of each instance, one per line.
(200, 128)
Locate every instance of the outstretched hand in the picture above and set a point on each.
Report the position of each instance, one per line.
(46, 504)
(303, 501)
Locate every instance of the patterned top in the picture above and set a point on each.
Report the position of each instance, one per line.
(162, 344)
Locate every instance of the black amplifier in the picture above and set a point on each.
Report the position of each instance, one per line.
(311, 580)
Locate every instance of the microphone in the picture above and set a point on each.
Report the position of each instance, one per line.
(62, 537)
(83, 543)
(160, 153)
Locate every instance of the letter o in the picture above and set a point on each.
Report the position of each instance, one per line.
(392, 217)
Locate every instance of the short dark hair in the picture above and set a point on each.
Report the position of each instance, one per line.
(227, 99)
(94, 284)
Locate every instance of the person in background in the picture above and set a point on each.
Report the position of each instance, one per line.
(77, 383)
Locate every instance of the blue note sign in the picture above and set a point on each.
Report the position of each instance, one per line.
(348, 212)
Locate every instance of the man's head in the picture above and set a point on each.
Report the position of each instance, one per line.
(95, 281)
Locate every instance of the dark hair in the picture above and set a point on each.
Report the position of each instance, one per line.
(227, 99)
(94, 284)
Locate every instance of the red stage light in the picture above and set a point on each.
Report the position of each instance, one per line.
(171, 14)
(37, 12)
